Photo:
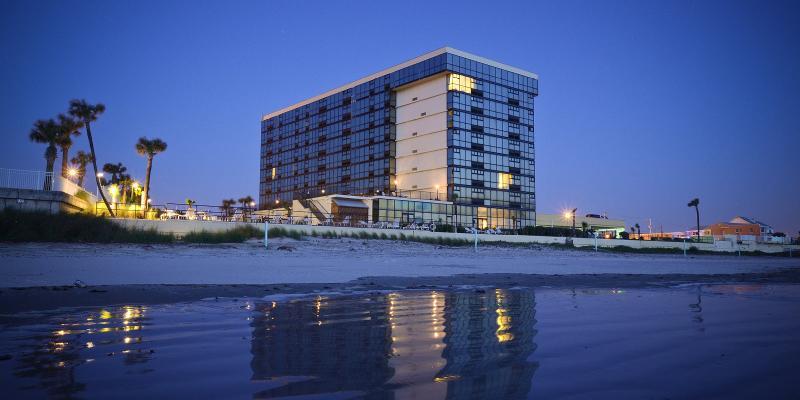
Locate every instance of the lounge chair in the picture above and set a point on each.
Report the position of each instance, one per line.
(395, 224)
(345, 221)
(168, 214)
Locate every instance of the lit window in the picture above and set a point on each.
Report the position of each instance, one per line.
(460, 83)
(274, 172)
(503, 180)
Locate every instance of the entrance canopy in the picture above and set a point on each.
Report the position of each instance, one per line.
(349, 203)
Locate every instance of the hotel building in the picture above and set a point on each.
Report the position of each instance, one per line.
(447, 137)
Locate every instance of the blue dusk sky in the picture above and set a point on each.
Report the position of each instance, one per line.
(643, 105)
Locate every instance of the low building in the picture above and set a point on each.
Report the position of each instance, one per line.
(597, 223)
(766, 232)
(739, 231)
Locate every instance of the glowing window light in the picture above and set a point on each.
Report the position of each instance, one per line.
(503, 180)
(460, 83)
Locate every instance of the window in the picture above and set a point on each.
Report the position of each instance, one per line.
(460, 83)
(503, 180)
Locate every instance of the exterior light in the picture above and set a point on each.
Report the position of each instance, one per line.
(135, 185)
(252, 204)
(323, 191)
(113, 190)
(72, 172)
(99, 174)
(149, 201)
(567, 214)
(395, 181)
(277, 201)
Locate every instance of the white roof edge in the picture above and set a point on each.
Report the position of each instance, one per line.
(398, 67)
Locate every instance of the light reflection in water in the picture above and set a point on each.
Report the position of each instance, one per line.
(413, 344)
(64, 350)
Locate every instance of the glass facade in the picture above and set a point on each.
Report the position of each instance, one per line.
(344, 143)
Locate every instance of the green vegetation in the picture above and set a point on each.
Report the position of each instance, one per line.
(16, 226)
(149, 148)
(236, 235)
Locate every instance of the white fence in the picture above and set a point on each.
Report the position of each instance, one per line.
(25, 179)
(40, 180)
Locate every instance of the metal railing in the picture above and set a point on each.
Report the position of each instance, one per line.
(41, 180)
(25, 179)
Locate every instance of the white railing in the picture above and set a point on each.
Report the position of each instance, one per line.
(25, 179)
(40, 180)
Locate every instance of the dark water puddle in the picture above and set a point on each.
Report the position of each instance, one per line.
(718, 341)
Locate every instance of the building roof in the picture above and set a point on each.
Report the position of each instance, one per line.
(399, 67)
(750, 220)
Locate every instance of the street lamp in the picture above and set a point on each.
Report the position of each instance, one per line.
(574, 210)
(72, 172)
(437, 192)
(97, 189)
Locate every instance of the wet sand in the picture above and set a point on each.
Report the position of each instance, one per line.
(20, 299)
(316, 260)
(704, 341)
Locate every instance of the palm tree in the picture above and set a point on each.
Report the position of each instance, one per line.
(125, 183)
(46, 131)
(227, 205)
(638, 231)
(115, 170)
(88, 113)
(696, 204)
(79, 161)
(149, 148)
(68, 127)
(245, 201)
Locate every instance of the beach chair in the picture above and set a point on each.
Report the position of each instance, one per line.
(363, 224)
(425, 227)
(168, 214)
(395, 224)
(345, 221)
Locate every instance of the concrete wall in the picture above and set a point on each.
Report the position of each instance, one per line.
(728, 246)
(181, 227)
(421, 141)
(39, 200)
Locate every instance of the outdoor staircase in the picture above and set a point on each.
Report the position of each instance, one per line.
(316, 209)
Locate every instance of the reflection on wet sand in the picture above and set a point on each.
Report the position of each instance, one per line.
(79, 339)
(427, 344)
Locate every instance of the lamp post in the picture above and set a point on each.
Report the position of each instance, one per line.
(574, 210)
(437, 192)
(97, 189)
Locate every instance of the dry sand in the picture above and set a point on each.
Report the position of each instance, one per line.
(42, 276)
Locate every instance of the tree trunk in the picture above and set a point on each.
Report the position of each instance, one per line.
(94, 165)
(81, 175)
(146, 189)
(697, 210)
(124, 195)
(64, 158)
(50, 157)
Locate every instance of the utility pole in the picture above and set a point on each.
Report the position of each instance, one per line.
(574, 210)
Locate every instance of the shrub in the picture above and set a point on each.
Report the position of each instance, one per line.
(21, 226)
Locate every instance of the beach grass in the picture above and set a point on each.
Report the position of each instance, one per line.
(21, 226)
